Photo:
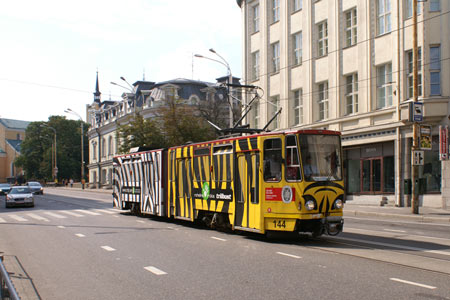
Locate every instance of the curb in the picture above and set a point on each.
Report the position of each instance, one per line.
(419, 218)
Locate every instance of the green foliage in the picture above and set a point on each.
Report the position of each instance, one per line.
(140, 132)
(37, 150)
(184, 123)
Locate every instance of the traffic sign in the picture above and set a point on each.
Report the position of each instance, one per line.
(417, 112)
(418, 157)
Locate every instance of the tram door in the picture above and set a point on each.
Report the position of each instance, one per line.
(247, 212)
(182, 199)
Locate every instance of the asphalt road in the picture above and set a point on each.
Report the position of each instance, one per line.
(73, 245)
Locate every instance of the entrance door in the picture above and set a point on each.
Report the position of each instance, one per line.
(246, 191)
(371, 176)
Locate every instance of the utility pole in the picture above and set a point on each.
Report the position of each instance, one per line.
(414, 173)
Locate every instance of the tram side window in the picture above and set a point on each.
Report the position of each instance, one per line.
(272, 160)
(292, 161)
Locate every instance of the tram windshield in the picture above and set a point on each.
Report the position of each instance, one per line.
(321, 157)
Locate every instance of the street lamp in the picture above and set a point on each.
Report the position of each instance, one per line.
(230, 78)
(69, 111)
(56, 152)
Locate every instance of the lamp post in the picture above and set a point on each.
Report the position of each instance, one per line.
(130, 88)
(82, 144)
(56, 152)
(230, 78)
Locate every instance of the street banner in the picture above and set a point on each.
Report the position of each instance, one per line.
(443, 142)
(425, 137)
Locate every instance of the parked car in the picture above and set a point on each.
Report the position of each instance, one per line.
(35, 187)
(19, 195)
(4, 188)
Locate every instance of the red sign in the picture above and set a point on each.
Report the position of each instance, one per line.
(443, 142)
(275, 194)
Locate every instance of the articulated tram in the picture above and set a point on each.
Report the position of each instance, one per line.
(287, 181)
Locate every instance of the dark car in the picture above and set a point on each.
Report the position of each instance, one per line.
(4, 188)
(35, 187)
(19, 195)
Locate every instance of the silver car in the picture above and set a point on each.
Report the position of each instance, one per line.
(19, 195)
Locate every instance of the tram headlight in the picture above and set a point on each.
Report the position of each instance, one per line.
(310, 205)
(338, 204)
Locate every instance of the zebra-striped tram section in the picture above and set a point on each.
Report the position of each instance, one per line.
(280, 181)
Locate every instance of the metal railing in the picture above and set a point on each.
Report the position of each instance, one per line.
(7, 290)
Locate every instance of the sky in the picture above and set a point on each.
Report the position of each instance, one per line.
(50, 50)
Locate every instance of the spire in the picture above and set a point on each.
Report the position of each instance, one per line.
(97, 93)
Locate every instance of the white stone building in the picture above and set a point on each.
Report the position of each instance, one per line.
(346, 65)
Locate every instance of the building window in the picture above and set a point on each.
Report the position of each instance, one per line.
(435, 5)
(94, 151)
(276, 57)
(351, 94)
(103, 147)
(383, 16)
(275, 10)
(322, 30)
(298, 107)
(323, 100)
(384, 86)
(410, 73)
(110, 146)
(297, 4)
(435, 70)
(409, 8)
(350, 27)
(256, 114)
(274, 106)
(255, 65)
(256, 18)
(297, 45)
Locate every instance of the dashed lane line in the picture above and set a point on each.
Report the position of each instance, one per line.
(55, 215)
(80, 235)
(289, 255)
(106, 211)
(39, 218)
(219, 239)
(155, 271)
(18, 218)
(413, 283)
(2, 220)
(71, 213)
(108, 248)
(88, 212)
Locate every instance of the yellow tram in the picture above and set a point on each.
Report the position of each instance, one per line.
(287, 181)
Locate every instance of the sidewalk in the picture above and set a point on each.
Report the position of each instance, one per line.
(426, 214)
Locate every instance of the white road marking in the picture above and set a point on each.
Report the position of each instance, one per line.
(155, 271)
(60, 226)
(140, 221)
(108, 248)
(290, 255)
(2, 220)
(34, 216)
(219, 239)
(393, 230)
(18, 218)
(106, 211)
(54, 215)
(88, 212)
(413, 283)
(71, 213)
(80, 235)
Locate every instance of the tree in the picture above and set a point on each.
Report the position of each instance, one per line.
(183, 123)
(36, 157)
(140, 132)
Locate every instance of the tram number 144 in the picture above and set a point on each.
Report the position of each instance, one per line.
(279, 223)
